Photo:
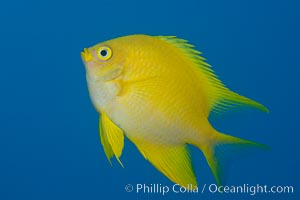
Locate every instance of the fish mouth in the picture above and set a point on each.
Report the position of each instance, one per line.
(86, 55)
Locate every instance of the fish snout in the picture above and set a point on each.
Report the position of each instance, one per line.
(86, 55)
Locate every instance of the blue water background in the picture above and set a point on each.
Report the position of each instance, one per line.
(49, 142)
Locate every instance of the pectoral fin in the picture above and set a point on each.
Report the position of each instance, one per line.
(173, 161)
(112, 138)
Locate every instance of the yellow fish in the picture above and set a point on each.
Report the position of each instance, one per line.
(158, 92)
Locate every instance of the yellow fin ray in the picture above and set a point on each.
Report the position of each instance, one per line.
(173, 161)
(228, 99)
(104, 141)
(112, 138)
(220, 97)
(223, 150)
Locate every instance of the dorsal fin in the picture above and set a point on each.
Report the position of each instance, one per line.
(220, 97)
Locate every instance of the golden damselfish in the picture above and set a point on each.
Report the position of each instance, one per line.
(159, 92)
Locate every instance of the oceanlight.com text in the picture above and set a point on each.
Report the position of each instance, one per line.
(250, 189)
(161, 189)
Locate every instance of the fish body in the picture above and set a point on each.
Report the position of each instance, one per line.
(159, 92)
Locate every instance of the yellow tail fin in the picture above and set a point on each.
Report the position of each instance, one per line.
(222, 150)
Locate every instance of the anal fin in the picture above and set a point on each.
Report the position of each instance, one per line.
(173, 161)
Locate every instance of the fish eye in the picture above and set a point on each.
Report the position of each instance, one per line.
(104, 53)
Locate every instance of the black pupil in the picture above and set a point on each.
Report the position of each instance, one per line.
(103, 53)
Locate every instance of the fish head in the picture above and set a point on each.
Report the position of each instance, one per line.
(103, 62)
(117, 63)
